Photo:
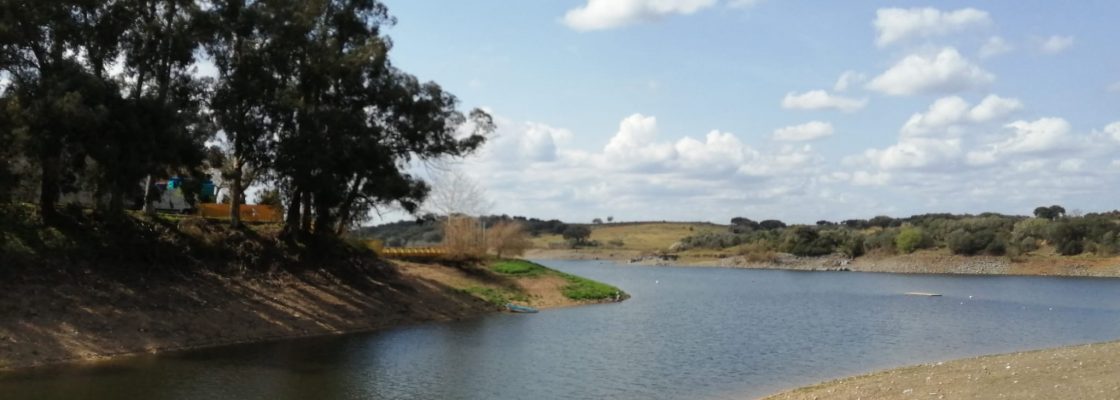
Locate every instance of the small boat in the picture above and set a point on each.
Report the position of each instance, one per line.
(926, 294)
(520, 309)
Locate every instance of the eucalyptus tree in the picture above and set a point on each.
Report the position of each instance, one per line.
(162, 127)
(237, 41)
(52, 99)
(348, 121)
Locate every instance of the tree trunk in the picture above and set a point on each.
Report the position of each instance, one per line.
(235, 194)
(149, 195)
(292, 221)
(49, 190)
(305, 223)
(347, 205)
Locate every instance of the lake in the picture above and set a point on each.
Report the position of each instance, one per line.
(687, 333)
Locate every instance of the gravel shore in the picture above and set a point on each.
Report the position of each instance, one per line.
(1078, 372)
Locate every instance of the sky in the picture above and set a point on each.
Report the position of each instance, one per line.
(704, 110)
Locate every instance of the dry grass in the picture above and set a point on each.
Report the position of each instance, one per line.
(645, 237)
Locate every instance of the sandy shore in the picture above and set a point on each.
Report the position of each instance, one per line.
(1078, 372)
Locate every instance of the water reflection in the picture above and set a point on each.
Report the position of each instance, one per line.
(686, 333)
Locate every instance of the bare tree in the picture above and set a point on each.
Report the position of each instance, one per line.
(456, 193)
(509, 238)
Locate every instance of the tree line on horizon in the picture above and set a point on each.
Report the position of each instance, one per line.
(986, 233)
(104, 96)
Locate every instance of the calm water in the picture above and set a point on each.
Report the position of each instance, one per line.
(691, 333)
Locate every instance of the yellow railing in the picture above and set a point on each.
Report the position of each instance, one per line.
(405, 252)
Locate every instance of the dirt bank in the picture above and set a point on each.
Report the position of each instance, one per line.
(1080, 372)
(68, 316)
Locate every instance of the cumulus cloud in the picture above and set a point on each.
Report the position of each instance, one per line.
(1035, 137)
(805, 132)
(635, 143)
(1113, 130)
(948, 113)
(916, 153)
(607, 14)
(847, 80)
(821, 100)
(994, 47)
(895, 25)
(1056, 44)
(945, 72)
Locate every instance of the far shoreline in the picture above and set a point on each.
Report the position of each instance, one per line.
(926, 262)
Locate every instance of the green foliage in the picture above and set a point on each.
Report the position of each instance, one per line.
(909, 240)
(578, 234)
(579, 288)
(518, 268)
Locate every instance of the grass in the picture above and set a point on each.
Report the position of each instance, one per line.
(580, 288)
(497, 297)
(644, 237)
(518, 268)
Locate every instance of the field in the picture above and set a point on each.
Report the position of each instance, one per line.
(641, 237)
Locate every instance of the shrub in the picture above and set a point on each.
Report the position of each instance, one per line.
(909, 239)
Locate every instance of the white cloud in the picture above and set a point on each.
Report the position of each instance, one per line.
(864, 178)
(1037, 137)
(994, 47)
(635, 143)
(916, 153)
(897, 24)
(1113, 130)
(945, 72)
(607, 14)
(994, 107)
(805, 132)
(720, 150)
(820, 100)
(848, 79)
(1115, 87)
(1056, 44)
(1071, 165)
(948, 114)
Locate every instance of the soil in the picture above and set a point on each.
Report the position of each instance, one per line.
(1079, 372)
(84, 316)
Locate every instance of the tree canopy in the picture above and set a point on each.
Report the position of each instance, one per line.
(104, 96)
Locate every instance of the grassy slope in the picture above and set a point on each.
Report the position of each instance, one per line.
(518, 281)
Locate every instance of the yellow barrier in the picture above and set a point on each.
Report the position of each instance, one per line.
(249, 212)
(405, 252)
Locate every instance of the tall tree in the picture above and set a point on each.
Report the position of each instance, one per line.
(53, 99)
(237, 42)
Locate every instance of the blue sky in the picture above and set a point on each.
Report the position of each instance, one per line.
(710, 109)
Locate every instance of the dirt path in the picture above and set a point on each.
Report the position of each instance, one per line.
(1074, 373)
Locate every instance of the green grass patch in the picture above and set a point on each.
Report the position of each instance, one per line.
(497, 297)
(518, 268)
(580, 288)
